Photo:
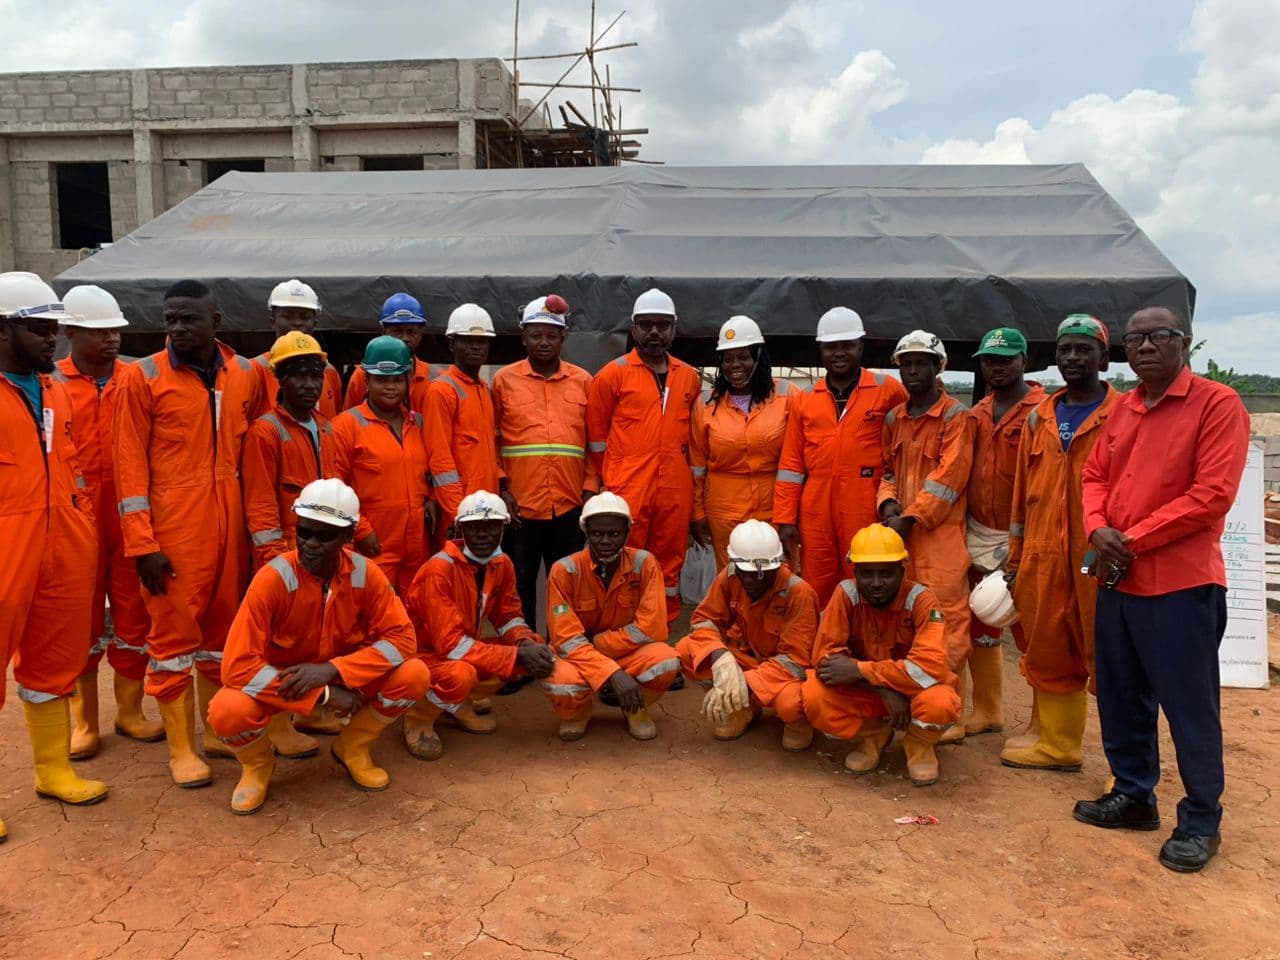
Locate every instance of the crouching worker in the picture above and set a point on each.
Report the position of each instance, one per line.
(882, 662)
(459, 588)
(319, 626)
(753, 639)
(607, 620)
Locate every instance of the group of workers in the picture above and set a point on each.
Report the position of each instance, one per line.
(283, 559)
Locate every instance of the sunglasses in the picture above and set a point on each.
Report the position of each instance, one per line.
(37, 328)
(319, 534)
(662, 326)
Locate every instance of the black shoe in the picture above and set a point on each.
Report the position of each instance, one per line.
(514, 686)
(608, 697)
(678, 683)
(1187, 853)
(1114, 810)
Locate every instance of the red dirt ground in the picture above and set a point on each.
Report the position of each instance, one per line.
(517, 845)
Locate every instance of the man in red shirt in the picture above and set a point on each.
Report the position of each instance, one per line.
(1157, 488)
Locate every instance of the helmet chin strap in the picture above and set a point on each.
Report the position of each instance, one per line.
(466, 552)
(612, 558)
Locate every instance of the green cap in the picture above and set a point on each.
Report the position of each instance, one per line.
(1084, 325)
(387, 357)
(1002, 342)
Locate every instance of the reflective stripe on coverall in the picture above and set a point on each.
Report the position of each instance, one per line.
(423, 374)
(463, 439)
(772, 639)
(92, 429)
(829, 471)
(902, 646)
(639, 440)
(597, 631)
(288, 617)
(329, 404)
(177, 465)
(734, 459)
(1047, 546)
(447, 613)
(48, 533)
(389, 475)
(279, 460)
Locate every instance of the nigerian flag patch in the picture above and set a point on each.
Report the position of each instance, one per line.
(935, 616)
(560, 609)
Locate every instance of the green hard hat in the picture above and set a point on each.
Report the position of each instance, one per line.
(387, 357)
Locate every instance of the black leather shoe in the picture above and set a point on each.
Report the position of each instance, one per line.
(1115, 810)
(514, 686)
(1187, 853)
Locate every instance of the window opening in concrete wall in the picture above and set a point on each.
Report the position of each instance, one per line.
(84, 205)
(213, 169)
(407, 162)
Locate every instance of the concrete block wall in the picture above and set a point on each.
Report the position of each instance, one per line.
(124, 197)
(61, 98)
(334, 89)
(1270, 463)
(220, 93)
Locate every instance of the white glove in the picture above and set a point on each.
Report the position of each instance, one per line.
(731, 683)
(713, 707)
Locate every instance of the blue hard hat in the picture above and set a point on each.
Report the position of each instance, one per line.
(402, 308)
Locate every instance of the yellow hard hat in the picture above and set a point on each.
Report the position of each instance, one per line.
(295, 344)
(877, 544)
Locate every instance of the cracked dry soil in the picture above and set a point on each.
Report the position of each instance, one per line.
(517, 845)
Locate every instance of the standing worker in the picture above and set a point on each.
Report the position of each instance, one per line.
(181, 418)
(1054, 599)
(998, 420)
(1157, 488)
(295, 308)
(380, 451)
(638, 416)
(46, 525)
(736, 439)
(540, 405)
(831, 461)
(461, 430)
(928, 452)
(90, 376)
(403, 319)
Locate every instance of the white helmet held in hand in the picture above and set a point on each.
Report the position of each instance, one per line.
(329, 501)
(482, 505)
(602, 504)
(921, 341)
(294, 293)
(992, 603)
(739, 331)
(93, 308)
(24, 296)
(840, 323)
(653, 300)
(754, 545)
(470, 320)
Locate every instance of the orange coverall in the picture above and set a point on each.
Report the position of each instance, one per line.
(990, 493)
(330, 395)
(734, 459)
(280, 458)
(926, 469)
(542, 423)
(828, 473)
(92, 428)
(596, 631)
(389, 475)
(638, 438)
(48, 535)
(447, 609)
(902, 646)
(1047, 546)
(462, 436)
(288, 617)
(177, 463)
(423, 374)
(772, 639)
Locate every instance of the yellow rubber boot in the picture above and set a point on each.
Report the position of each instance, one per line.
(351, 750)
(466, 719)
(321, 720)
(420, 737)
(185, 766)
(1060, 747)
(287, 741)
(482, 695)
(1029, 736)
(575, 727)
(986, 667)
(257, 762)
(639, 725)
(131, 722)
(954, 734)
(4, 832)
(84, 717)
(213, 747)
(922, 761)
(739, 722)
(797, 736)
(49, 727)
(869, 747)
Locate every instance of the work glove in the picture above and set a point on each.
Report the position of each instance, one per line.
(729, 684)
(713, 707)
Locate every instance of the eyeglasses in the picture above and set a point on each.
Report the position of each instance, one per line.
(37, 328)
(319, 534)
(1159, 337)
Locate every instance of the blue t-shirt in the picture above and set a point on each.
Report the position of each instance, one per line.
(29, 384)
(1071, 418)
(314, 429)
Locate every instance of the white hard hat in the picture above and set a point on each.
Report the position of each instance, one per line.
(739, 331)
(93, 308)
(754, 545)
(653, 300)
(482, 505)
(840, 323)
(294, 293)
(550, 309)
(470, 320)
(329, 501)
(992, 603)
(921, 341)
(601, 504)
(24, 295)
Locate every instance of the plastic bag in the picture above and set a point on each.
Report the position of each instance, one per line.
(698, 572)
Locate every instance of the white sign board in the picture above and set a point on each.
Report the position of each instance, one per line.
(1242, 658)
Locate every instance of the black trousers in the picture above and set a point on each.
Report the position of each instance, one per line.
(1158, 653)
(539, 543)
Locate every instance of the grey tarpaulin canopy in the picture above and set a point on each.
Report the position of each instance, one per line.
(953, 249)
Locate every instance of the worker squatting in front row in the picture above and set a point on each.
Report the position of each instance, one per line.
(377, 536)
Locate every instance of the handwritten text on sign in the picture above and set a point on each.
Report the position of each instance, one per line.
(1242, 657)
